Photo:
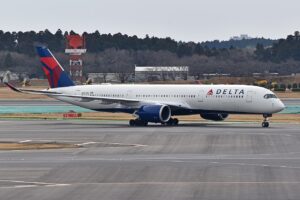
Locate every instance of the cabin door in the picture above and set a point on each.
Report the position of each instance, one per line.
(129, 94)
(200, 96)
(249, 96)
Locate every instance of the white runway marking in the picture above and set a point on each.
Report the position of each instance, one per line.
(57, 185)
(86, 143)
(111, 143)
(30, 184)
(25, 141)
(122, 144)
(24, 186)
(256, 165)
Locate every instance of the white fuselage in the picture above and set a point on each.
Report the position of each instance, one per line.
(192, 98)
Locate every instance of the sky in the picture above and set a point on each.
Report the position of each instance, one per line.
(185, 20)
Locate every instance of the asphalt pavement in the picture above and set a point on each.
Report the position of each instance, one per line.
(114, 161)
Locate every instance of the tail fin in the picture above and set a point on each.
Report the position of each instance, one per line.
(56, 75)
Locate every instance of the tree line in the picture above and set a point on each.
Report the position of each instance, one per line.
(281, 51)
(120, 52)
(22, 42)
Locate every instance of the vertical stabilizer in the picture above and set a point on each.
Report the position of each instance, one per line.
(56, 75)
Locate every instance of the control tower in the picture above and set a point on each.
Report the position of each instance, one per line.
(75, 47)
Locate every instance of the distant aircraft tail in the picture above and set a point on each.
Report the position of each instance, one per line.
(56, 75)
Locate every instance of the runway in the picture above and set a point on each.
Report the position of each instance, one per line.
(54, 106)
(192, 161)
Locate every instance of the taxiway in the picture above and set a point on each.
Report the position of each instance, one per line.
(192, 161)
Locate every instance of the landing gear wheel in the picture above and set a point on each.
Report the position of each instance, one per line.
(131, 122)
(176, 121)
(172, 122)
(265, 124)
(137, 122)
(144, 123)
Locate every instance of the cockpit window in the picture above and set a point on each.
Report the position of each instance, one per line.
(270, 96)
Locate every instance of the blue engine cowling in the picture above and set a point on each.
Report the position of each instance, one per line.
(154, 113)
(214, 116)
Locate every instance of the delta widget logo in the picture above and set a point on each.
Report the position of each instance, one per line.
(210, 92)
(226, 92)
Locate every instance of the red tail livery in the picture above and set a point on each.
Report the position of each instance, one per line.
(56, 75)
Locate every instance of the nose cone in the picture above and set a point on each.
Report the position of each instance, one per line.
(279, 106)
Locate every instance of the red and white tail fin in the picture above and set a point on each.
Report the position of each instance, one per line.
(56, 75)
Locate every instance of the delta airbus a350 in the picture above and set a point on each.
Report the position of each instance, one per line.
(157, 103)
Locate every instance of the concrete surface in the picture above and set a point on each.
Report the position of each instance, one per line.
(192, 161)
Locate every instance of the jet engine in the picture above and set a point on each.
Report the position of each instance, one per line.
(154, 113)
(214, 116)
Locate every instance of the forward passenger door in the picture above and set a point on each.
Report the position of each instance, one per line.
(200, 96)
(249, 96)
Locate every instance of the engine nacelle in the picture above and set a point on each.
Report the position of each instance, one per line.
(214, 116)
(154, 113)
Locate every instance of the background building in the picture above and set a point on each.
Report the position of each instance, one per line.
(103, 77)
(241, 37)
(6, 76)
(160, 73)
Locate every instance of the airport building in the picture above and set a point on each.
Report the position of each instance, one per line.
(110, 77)
(241, 37)
(6, 76)
(103, 77)
(160, 73)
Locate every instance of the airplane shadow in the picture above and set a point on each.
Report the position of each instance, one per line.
(108, 125)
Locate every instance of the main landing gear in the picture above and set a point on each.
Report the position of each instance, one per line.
(172, 122)
(138, 122)
(266, 123)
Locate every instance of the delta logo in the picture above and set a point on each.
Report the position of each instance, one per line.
(226, 92)
(210, 92)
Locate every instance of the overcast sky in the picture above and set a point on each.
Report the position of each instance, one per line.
(187, 20)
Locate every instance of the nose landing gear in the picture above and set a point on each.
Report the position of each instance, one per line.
(265, 122)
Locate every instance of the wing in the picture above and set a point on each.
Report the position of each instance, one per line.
(57, 94)
(173, 105)
(45, 92)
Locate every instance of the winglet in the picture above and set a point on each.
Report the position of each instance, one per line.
(12, 87)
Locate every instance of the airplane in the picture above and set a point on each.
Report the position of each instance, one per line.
(156, 103)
